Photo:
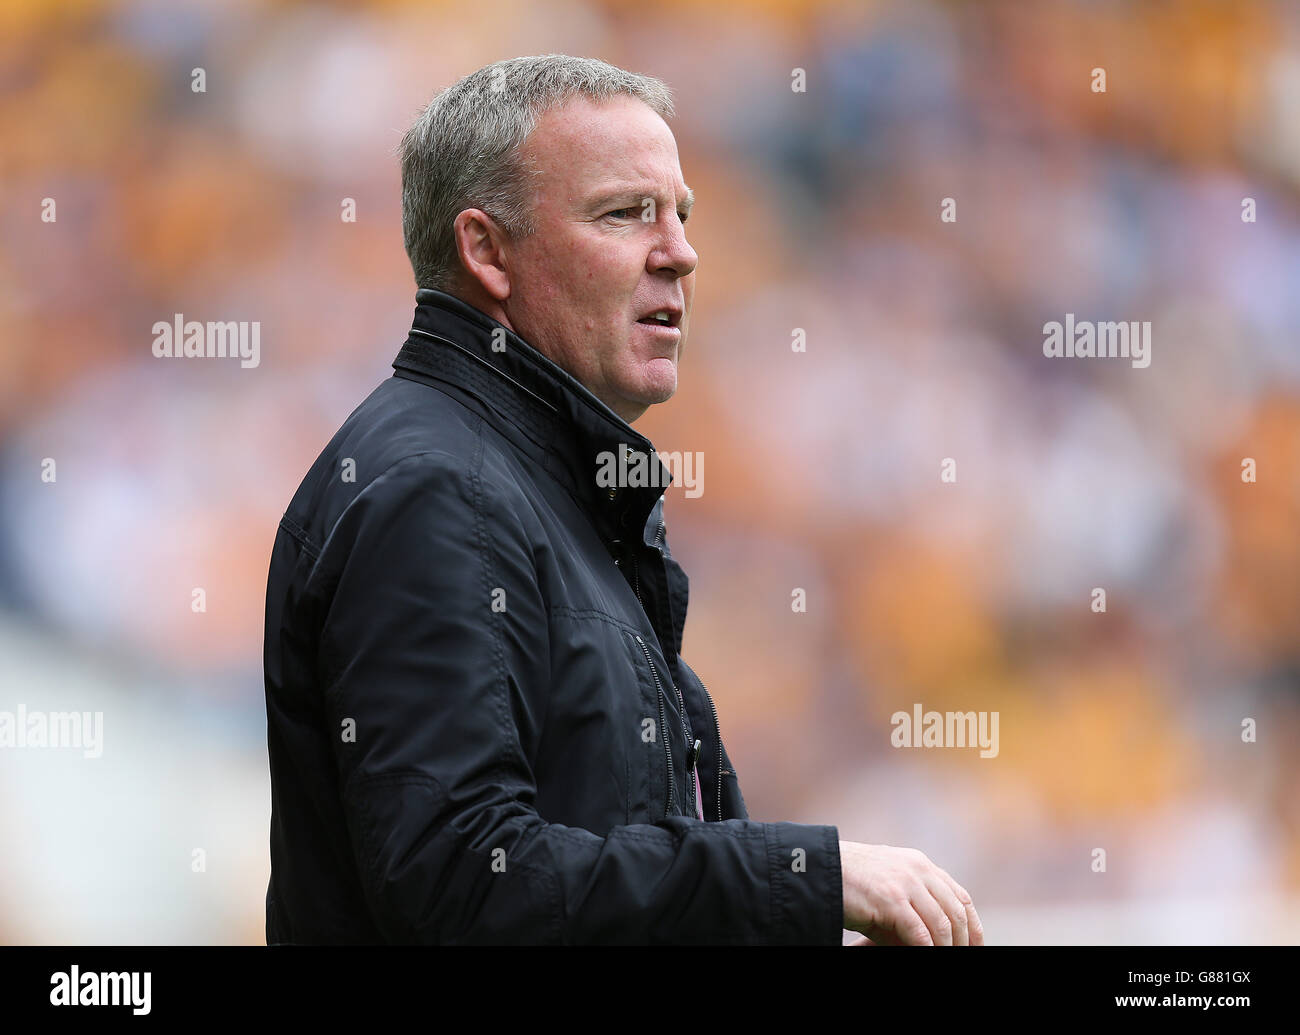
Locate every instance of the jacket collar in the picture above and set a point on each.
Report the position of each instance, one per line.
(574, 435)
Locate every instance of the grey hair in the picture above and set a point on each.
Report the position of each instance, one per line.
(465, 149)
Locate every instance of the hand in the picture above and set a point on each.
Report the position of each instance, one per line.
(897, 896)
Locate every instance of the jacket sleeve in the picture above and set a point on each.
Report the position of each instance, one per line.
(433, 662)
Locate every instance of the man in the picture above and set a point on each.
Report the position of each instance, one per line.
(480, 725)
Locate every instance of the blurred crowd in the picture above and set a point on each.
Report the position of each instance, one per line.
(818, 209)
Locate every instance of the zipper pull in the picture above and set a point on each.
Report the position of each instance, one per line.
(694, 756)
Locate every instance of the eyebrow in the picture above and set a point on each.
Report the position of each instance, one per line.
(623, 193)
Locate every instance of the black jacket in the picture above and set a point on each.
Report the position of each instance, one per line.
(474, 694)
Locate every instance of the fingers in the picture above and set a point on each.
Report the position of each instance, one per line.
(933, 915)
(897, 896)
(951, 920)
(919, 920)
(975, 929)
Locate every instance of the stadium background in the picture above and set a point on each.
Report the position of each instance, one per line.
(817, 210)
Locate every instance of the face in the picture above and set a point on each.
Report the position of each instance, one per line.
(609, 251)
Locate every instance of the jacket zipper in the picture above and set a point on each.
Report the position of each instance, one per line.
(681, 701)
(659, 532)
(663, 723)
(636, 568)
(717, 732)
(691, 755)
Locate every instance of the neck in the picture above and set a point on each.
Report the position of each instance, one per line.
(473, 294)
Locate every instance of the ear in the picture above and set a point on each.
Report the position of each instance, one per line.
(480, 243)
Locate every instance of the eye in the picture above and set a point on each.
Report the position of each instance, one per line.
(683, 216)
(619, 213)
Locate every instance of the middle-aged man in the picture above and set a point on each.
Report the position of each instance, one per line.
(480, 725)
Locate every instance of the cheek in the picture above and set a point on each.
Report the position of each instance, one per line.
(603, 288)
(579, 269)
(593, 281)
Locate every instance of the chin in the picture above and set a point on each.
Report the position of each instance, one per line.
(642, 402)
(653, 397)
(659, 380)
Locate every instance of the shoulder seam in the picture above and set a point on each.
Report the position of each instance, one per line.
(300, 536)
(366, 490)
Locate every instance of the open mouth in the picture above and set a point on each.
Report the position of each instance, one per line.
(662, 318)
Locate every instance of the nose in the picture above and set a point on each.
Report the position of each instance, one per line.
(672, 251)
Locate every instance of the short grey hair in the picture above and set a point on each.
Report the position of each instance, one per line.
(465, 149)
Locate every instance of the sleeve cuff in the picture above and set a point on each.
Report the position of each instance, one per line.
(807, 890)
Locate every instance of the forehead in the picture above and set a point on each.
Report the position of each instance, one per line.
(583, 145)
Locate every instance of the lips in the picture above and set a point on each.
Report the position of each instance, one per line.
(664, 316)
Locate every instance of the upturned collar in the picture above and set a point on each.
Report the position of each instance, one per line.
(577, 436)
